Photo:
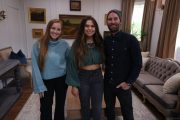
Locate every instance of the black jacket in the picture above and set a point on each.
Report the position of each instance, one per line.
(123, 59)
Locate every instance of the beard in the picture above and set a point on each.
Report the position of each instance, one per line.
(113, 29)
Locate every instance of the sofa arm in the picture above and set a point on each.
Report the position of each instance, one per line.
(5, 53)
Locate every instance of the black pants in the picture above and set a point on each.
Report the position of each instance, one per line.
(57, 86)
(125, 99)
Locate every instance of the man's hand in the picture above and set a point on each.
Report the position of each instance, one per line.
(123, 85)
(75, 91)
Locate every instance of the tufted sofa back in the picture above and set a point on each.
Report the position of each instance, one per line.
(162, 68)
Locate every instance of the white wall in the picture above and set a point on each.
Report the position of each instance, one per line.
(95, 8)
(16, 31)
(11, 32)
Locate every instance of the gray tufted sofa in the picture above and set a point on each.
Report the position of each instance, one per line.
(150, 84)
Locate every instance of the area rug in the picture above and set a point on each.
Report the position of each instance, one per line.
(30, 111)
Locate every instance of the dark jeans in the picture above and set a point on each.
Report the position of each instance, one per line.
(58, 86)
(125, 99)
(91, 91)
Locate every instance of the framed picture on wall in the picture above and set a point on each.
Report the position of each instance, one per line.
(70, 25)
(75, 5)
(37, 33)
(37, 15)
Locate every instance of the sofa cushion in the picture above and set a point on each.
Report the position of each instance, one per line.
(147, 79)
(172, 85)
(166, 100)
(5, 52)
(19, 56)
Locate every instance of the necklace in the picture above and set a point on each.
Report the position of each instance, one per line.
(89, 41)
(90, 44)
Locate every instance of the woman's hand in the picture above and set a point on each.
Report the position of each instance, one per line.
(75, 91)
(41, 94)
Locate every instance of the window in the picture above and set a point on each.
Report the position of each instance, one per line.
(177, 47)
(137, 19)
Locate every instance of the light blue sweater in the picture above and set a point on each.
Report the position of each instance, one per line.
(55, 63)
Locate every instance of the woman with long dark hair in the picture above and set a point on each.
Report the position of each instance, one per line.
(84, 68)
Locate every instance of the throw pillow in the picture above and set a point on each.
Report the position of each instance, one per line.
(144, 61)
(20, 53)
(19, 56)
(145, 54)
(172, 85)
(13, 55)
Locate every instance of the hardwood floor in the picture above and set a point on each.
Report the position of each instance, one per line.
(26, 92)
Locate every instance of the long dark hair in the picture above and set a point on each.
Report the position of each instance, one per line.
(79, 45)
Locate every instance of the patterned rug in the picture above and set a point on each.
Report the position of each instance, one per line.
(30, 111)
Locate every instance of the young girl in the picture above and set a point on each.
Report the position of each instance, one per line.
(49, 71)
(84, 68)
